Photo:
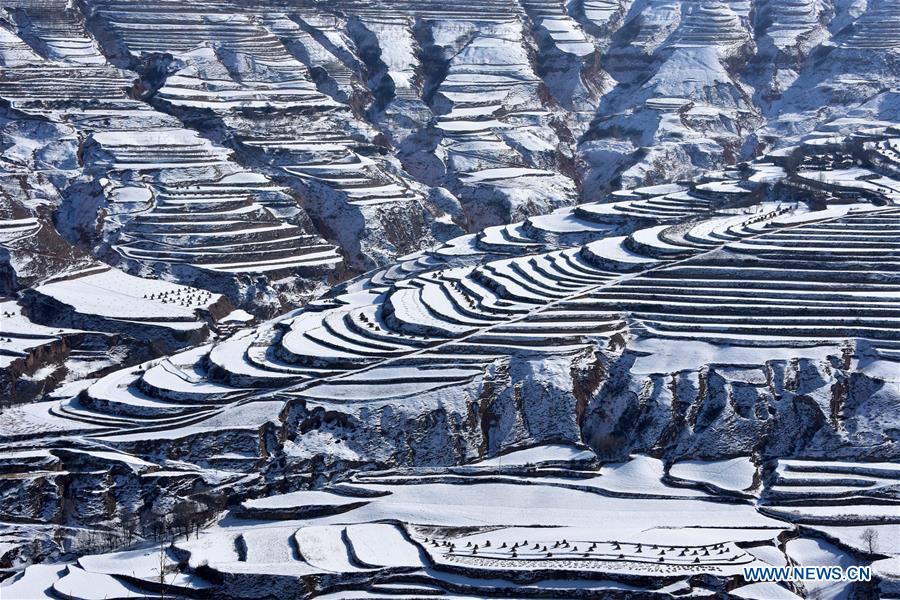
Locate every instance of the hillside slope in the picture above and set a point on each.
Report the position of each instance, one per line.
(534, 298)
(634, 349)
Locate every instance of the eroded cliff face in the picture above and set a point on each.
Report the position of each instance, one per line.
(516, 401)
(819, 406)
(802, 406)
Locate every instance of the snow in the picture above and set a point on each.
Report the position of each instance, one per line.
(764, 591)
(563, 221)
(390, 374)
(470, 126)
(300, 499)
(131, 194)
(832, 212)
(269, 550)
(214, 546)
(315, 443)
(398, 51)
(769, 554)
(735, 474)
(462, 112)
(687, 71)
(832, 476)
(460, 246)
(887, 541)
(270, 546)
(639, 475)
(586, 549)
(341, 392)
(179, 375)
(349, 542)
(651, 237)
(767, 173)
(887, 567)
(136, 463)
(19, 335)
(848, 513)
(383, 544)
(78, 584)
(150, 138)
(611, 248)
(658, 190)
(502, 173)
(244, 177)
(536, 455)
(112, 293)
(34, 583)
(547, 505)
(722, 187)
(490, 131)
(20, 454)
(237, 316)
(15, 230)
(670, 356)
(815, 552)
(323, 547)
(35, 418)
(142, 561)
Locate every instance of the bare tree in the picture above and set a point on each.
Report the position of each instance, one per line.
(128, 523)
(158, 525)
(165, 565)
(163, 559)
(869, 537)
(184, 516)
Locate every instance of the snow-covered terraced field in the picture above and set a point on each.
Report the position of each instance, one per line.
(66, 327)
(318, 155)
(778, 277)
(475, 534)
(218, 227)
(790, 20)
(260, 73)
(176, 201)
(764, 291)
(705, 22)
(877, 27)
(490, 67)
(19, 335)
(404, 299)
(833, 492)
(111, 293)
(563, 30)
